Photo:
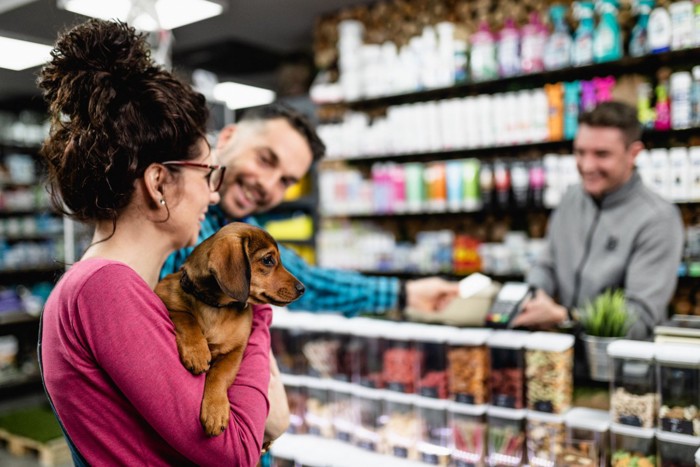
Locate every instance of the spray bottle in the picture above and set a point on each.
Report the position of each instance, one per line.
(483, 57)
(603, 88)
(558, 49)
(639, 43)
(534, 39)
(582, 52)
(588, 99)
(663, 103)
(508, 51)
(571, 101)
(607, 40)
(645, 114)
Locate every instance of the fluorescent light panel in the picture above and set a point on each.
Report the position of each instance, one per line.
(19, 55)
(239, 96)
(172, 13)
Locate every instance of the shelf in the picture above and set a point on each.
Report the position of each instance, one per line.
(14, 317)
(649, 136)
(32, 237)
(307, 242)
(27, 212)
(441, 213)
(305, 203)
(627, 65)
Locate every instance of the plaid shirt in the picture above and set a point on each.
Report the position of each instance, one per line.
(328, 290)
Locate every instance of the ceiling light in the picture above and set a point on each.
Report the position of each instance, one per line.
(239, 96)
(20, 55)
(170, 14)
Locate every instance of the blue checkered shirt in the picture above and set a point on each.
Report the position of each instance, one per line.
(329, 290)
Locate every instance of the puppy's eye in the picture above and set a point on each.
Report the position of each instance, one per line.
(269, 261)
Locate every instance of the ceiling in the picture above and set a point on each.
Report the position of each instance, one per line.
(247, 43)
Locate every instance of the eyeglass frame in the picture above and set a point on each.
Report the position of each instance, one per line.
(212, 169)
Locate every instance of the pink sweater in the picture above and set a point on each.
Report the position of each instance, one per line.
(112, 369)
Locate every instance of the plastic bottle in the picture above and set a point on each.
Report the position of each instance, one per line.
(508, 51)
(681, 108)
(663, 105)
(534, 39)
(582, 51)
(695, 96)
(483, 54)
(571, 102)
(556, 110)
(558, 49)
(645, 113)
(607, 39)
(660, 31)
(696, 23)
(681, 24)
(603, 88)
(588, 98)
(639, 41)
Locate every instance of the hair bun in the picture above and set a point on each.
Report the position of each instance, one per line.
(90, 63)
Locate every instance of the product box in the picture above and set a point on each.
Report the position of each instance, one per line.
(678, 367)
(586, 437)
(632, 446)
(468, 425)
(549, 359)
(676, 450)
(506, 436)
(633, 396)
(468, 366)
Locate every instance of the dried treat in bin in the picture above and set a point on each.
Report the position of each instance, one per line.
(545, 441)
(632, 459)
(632, 409)
(507, 387)
(469, 440)
(322, 357)
(678, 419)
(400, 366)
(434, 384)
(583, 454)
(468, 370)
(549, 380)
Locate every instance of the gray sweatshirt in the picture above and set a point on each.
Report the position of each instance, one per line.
(631, 239)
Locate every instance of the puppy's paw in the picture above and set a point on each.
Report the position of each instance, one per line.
(215, 414)
(195, 356)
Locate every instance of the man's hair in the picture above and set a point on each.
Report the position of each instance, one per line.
(296, 119)
(616, 115)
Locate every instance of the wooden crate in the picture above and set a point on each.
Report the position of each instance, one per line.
(51, 453)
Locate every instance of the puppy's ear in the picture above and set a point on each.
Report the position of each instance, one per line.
(230, 266)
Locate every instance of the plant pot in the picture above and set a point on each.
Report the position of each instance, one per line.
(597, 356)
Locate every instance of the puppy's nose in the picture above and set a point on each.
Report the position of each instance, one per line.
(300, 288)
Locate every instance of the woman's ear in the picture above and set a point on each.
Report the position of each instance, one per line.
(154, 181)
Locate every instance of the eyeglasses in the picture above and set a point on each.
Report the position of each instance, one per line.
(214, 177)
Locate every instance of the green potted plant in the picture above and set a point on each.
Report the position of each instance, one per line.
(603, 320)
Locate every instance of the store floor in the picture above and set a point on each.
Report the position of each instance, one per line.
(14, 403)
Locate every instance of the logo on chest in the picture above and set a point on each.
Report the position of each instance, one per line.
(611, 244)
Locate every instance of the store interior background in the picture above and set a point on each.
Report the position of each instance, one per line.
(270, 44)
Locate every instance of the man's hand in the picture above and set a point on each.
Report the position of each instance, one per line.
(278, 418)
(430, 294)
(540, 312)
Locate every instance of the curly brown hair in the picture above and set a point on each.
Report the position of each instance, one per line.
(113, 112)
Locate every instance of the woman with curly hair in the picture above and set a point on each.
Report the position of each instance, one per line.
(127, 153)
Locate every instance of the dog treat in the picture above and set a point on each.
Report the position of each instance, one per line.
(582, 454)
(549, 380)
(632, 409)
(401, 432)
(322, 357)
(468, 370)
(632, 459)
(545, 442)
(469, 440)
(400, 366)
(507, 387)
(505, 444)
(434, 384)
(685, 420)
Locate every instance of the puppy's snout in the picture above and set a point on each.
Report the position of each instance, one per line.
(300, 288)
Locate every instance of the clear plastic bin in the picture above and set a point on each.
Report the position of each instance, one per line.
(549, 362)
(546, 435)
(679, 383)
(633, 396)
(287, 338)
(676, 450)
(586, 438)
(630, 445)
(402, 428)
(366, 348)
(431, 342)
(369, 413)
(697, 458)
(468, 366)
(506, 436)
(339, 330)
(318, 416)
(295, 388)
(435, 434)
(322, 345)
(507, 375)
(342, 410)
(468, 424)
(401, 360)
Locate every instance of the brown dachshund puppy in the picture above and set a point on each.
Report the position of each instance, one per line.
(210, 300)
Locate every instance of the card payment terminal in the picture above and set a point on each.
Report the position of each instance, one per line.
(508, 303)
